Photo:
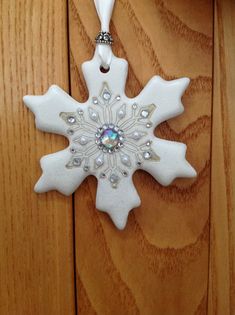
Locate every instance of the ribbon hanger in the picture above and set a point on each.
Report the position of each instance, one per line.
(104, 40)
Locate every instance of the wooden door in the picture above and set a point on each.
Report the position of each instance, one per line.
(59, 255)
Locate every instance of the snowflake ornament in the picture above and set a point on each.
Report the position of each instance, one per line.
(110, 136)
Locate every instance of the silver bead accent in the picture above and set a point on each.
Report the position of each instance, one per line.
(104, 38)
(118, 97)
(73, 150)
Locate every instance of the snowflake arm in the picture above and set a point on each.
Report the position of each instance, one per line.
(49, 105)
(166, 95)
(58, 177)
(117, 202)
(171, 164)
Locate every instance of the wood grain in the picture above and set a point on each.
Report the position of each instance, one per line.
(222, 259)
(36, 235)
(159, 264)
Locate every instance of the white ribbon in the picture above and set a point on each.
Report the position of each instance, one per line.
(104, 10)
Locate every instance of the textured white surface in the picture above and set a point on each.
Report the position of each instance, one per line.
(161, 99)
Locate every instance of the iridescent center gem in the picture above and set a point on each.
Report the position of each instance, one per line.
(109, 138)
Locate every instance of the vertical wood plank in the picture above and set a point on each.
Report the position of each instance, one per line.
(159, 263)
(222, 258)
(36, 237)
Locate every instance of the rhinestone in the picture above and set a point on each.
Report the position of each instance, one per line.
(114, 178)
(124, 173)
(147, 155)
(148, 143)
(71, 120)
(80, 112)
(116, 128)
(114, 185)
(95, 101)
(70, 132)
(86, 168)
(105, 127)
(149, 125)
(144, 113)
(106, 96)
(106, 37)
(134, 106)
(77, 161)
(102, 175)
(111, 126)
(139, 163)
(118, 97)
(72, 150)
(109, 138)
(120, 132)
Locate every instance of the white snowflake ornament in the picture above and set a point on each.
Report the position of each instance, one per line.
(110, 135)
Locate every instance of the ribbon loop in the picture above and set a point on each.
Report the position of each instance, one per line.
(104, 10)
